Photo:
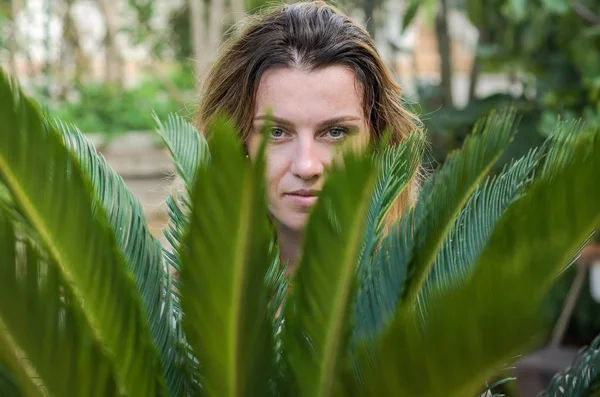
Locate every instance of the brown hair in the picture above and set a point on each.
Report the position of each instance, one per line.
(308, 35)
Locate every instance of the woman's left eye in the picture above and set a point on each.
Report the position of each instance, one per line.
(337, 133)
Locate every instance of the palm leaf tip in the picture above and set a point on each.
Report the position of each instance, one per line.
(48, 186)
(325, 283)
(142, 252)
(53, 349)
(225, 260)
(188, 148)
(419, 237)
(581, 378)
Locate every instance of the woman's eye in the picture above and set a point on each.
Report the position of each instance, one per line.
(337, 133)
(277, 133)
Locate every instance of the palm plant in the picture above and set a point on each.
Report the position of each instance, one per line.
(437, 305)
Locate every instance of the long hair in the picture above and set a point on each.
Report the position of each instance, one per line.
(310, 36)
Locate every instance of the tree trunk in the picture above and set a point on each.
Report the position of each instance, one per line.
(475, 71)
(443, 39)
(113, 59)
(369, 10)
(215, 24)
(47, 90)
(73, 59)
(198, 36)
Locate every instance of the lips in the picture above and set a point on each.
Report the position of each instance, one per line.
(303, 197)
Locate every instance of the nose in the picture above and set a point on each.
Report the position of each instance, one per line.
(308, 162)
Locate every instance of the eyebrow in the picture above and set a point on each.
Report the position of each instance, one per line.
(332, 121)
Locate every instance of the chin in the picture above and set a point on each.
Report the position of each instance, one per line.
(295, 222)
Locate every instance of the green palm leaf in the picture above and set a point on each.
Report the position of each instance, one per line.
(475, 224)
(225, 260)
(48, 187)
(407, 254)
(17, 377)
(561, 144)
(398, 165)
(488, 203)
(446, 195)
(377, 298)
(188, 148)
(8, 385)
(581, 378)
(40, 320)
(142, 251)
(177, 209)
(498, 305)
(324, 286)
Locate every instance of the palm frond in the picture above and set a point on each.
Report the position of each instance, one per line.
(406, 255)
(50, 190)
(377, 299)
(581, 378)
(447, 194)
(40, 320)
(188, 148)
(488, 203)
(189, 151)
(225, 259)
(142, 251)
(499, 303)
(560, 150)
(398, 164)
(475, 224)
(277, 286)
(317, 330)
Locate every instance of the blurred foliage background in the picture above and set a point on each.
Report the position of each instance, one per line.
(104, 65)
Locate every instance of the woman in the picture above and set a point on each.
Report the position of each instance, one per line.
(320, 78)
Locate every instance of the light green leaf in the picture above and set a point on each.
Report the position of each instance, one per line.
(42, 332)
(318, 328)
(559, 7)
(143, 253)
(516, 9)
(225, 260)
(47, 185)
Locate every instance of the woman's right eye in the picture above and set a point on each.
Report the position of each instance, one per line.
(277, 133)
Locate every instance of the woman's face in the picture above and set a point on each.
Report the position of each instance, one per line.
(312, 114)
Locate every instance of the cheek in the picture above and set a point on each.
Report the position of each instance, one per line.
(276, 168)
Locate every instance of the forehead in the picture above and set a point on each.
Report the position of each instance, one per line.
(294, 93)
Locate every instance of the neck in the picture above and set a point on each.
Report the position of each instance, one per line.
(290, 242)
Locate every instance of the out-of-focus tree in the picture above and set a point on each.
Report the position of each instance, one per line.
(112, 53)
(550, 48)
(198, 27)
(71, 53)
